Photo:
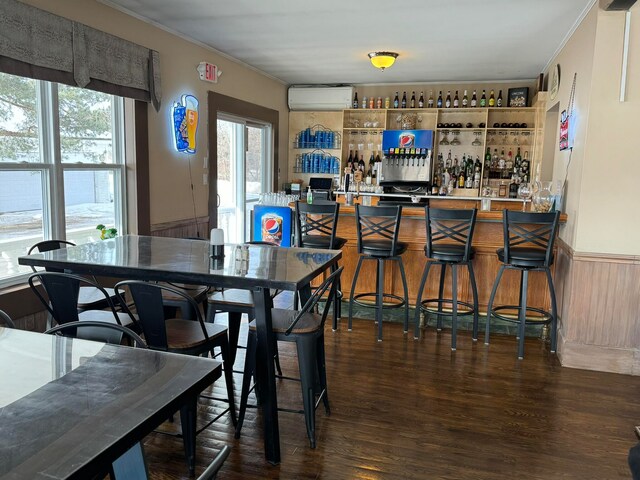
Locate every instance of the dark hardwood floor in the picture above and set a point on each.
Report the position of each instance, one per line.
(405, 409)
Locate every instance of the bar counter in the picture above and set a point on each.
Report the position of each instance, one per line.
(487, 238)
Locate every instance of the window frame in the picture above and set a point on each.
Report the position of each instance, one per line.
(52, 169)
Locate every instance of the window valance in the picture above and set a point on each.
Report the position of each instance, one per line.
(38, 44)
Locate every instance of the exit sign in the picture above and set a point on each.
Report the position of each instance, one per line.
(208, 72)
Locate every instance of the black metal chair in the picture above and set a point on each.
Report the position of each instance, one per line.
(316, 226)
(377, 232)
(6, 319)
(528, 246)
(198, 293)
(177, 335)
(236, 302)
(132, 465)
(449, 236)
(306, 329)
(89, 298)
(63, 291)
(98, 331)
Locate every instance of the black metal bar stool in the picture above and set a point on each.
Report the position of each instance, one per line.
(316, 226)
(449, 237)
(377, 232)
(528, 246)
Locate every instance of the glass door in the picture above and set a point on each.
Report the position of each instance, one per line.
(244, 160)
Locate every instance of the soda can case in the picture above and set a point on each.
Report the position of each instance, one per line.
(272, 224)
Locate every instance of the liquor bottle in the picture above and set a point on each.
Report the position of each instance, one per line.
(513, 187)
(421, 101)
(518, 164)
(355, 101)
(502, 162)
(350, 159)
(447, 102)
(449, 161)
(379, 102)
(509, 163)
(364, 102)
(483, 99)
(354, 162)
(465, 100)
(492, 100)
(396, 101)
(474, 100)
(456, 101)
(461, 180)
(494, 162)
(387, 103)
(372, 102)
(361, 164)
(404, 100)
(499, 101)
(430, 102)
(439, 103)
(487, 159)
(413, 100)
(525, 167)
(375, 166)
(372, 163)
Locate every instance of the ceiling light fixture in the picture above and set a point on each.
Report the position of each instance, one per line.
(382, 60)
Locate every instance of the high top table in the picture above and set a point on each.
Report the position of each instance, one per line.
(260, 269)
(71, 407)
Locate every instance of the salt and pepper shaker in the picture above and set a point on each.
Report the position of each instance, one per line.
(217, 243)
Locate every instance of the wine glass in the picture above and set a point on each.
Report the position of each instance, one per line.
(444, 140)
(525, 191)
(476, 142)
(456, 140)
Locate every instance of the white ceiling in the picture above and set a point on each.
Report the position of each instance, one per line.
(327, 41)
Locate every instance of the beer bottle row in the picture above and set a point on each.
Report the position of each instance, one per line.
(448, 101)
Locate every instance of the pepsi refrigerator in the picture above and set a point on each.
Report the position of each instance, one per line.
(407, 158)
(272, 224)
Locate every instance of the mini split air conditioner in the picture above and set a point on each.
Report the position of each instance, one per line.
(320, 98)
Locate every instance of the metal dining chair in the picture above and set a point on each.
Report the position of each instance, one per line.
(177, 335)
(89, 298)
(63, 290)
(306, 329)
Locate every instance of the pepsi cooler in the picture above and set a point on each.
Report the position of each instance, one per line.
(407, 158)
(272, 224)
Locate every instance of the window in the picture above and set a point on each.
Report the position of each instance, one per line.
(61, 166)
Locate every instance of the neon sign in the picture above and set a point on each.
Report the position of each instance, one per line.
(185, 124)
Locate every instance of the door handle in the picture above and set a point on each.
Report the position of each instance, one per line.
(218, 204)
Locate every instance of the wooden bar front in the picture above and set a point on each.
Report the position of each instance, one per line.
(487, 238)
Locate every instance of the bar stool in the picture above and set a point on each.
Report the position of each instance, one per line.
(449, 237)
(528, 246)
(377, 233)
(316, 226)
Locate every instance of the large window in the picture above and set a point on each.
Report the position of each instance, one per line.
(61, 166)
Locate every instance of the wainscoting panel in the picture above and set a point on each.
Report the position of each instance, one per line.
(599, 298)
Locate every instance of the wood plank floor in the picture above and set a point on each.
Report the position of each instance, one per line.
(405, 409)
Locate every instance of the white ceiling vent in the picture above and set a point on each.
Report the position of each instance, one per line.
(320, 98)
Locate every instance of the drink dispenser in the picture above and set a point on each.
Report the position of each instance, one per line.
(407, 158)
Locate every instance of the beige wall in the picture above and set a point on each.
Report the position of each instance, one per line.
(601, 186)
(576, 56)
(609, 219)
(169, 173)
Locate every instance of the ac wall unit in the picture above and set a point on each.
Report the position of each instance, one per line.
(320, 98)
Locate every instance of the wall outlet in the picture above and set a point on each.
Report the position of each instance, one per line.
(205, 179)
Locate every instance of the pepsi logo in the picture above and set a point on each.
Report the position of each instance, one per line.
(272, 226)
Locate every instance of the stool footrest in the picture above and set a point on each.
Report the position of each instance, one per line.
(547, 317)
(425, 308)
(399, 304)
